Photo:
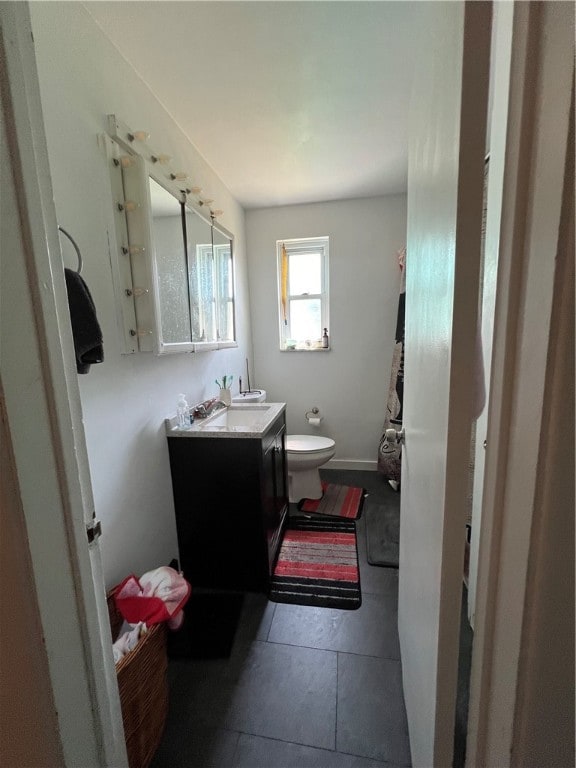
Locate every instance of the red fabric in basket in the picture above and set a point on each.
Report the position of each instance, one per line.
(158, 596)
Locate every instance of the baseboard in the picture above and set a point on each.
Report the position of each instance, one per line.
(351, 464)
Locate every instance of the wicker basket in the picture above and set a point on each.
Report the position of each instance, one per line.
(143, 689)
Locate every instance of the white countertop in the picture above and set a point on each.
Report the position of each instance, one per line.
(247, 420)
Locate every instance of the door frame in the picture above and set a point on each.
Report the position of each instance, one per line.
(541, 86)
(42, 400)
(501, 49)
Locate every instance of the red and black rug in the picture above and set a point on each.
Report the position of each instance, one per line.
(318, 565)
(337, 501)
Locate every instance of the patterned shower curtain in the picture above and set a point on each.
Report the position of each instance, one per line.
(389, 453)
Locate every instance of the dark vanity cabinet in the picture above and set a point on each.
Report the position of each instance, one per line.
(230, 495)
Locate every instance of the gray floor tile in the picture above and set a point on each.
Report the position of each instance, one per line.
(278, 691)
(286, 693)
(371, 712)
(181, 748)
(371, 630)
(256, 618)
(257, 752)
(200, 690)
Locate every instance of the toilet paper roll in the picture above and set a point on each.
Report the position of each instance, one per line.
(314, 421)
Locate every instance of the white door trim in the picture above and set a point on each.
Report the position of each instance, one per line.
(503, 14)
(540, 89)
(42, 399)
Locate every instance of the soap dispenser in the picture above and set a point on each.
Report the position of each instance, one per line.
(183, 413)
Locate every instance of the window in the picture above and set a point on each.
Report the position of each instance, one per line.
(303, 292)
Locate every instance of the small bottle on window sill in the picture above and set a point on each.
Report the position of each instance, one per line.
(325, 339)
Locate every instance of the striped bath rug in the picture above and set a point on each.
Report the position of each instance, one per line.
(318, 565)
(337, 501)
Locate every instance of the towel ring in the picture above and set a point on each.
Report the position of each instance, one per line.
(76, 248)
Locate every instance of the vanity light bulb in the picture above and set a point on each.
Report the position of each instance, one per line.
(130, 205)
(179, 176)
(135, 249)
(205, 201)
(139, 291)
(196, 190)
(127, 161)
(162, 159)
(138, 136)
(217, 212)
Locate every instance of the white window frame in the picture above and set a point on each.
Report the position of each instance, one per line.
(294, 246)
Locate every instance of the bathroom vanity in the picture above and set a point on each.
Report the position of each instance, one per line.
(230, 493)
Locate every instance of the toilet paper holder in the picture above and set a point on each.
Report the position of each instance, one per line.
(313, 416)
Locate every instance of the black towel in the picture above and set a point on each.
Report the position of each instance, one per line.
(85, 327)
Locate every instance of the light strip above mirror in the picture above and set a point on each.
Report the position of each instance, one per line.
(175, 179)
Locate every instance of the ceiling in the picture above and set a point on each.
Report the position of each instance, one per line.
(289, 102)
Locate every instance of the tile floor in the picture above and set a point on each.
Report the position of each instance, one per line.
(304, 687)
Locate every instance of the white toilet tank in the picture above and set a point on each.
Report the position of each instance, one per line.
(254, 396)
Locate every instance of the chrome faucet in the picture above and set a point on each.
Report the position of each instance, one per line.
(207, 408)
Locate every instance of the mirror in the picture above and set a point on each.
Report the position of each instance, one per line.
(170, 260)
(172, 269)
(180, 273)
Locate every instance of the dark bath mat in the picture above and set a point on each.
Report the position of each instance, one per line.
(210, 622)
(383, 534)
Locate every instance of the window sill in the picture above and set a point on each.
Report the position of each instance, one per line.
(305, 349)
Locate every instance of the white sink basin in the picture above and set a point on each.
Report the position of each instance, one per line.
(240, 421)
(237, 416)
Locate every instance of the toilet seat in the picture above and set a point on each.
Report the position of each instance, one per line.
(308, 444)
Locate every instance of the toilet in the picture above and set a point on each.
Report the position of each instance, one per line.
(305, 455)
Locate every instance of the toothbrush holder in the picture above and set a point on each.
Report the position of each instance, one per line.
(226, 396)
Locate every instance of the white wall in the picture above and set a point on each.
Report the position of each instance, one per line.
(349, 383)
(125, 399)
